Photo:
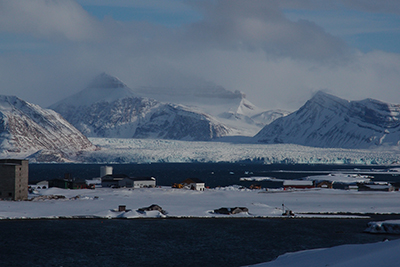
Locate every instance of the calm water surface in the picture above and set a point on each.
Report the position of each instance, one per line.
(213, 174)
(170, 242)
(176, 242)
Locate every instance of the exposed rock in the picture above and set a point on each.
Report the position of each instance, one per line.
(229, 211)
(26, 129)
(151, 208)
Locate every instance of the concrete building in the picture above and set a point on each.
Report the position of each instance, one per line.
(14, 175)
(106, 170)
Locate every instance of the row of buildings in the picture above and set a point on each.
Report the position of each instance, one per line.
(360, 186)
(14, 178)
(110, 180)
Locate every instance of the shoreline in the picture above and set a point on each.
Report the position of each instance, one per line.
(318, 216)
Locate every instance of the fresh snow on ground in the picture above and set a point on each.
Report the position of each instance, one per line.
(383, 254)
(153, 150)
(101, 202)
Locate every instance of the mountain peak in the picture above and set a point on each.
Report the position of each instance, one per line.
(329, 121)
(323, 96)
(103, 88)
(105, 80)
(326, 100)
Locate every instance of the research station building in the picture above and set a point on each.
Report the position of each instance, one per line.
(14, 179)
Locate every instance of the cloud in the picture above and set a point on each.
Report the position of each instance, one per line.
(50, 19)
(383, 6)
(287, 83)
(261, 25)
(228, 24)
(176, 5)
(242, 45)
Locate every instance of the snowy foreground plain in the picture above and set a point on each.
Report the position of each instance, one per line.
(115, 150)
(178, 203)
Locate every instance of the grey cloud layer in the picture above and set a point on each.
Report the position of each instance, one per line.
(384, 6)
(65, 20)
(233, 24)
(254, 25)
(242, 45)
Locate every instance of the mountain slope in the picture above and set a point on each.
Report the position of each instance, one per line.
(329, 121)
(26, 128)
(110, 109)
(269, 116)
(104, 88)
(231, 108)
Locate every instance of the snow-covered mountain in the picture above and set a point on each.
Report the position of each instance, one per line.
(269, 116)
(27, 129)
(231, 108)
(108, 108)
(103, 88)
(329, 121)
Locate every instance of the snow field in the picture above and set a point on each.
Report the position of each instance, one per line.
(100, 202)
(383, 254)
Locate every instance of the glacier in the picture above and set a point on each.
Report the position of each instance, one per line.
(120, 150)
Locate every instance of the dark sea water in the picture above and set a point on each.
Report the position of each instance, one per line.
(213, 174)
(177, 242)
(170, 242)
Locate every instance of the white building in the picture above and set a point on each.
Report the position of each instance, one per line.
(194, 184)
(141, 182)
(301, 184)
(122, 180)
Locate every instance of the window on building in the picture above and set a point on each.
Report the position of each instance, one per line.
(9, 194)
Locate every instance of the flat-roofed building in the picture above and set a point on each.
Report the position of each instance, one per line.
(14, 175)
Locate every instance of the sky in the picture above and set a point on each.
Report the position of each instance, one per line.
(278, 52)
